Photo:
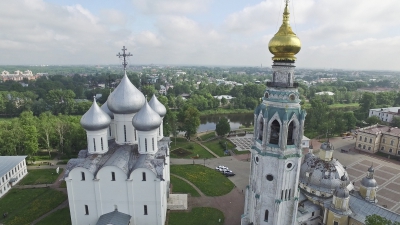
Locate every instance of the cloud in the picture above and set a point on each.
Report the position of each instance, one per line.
(171, 6)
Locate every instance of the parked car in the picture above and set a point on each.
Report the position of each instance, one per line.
(344, 150)
(226, 171)
(229, 174)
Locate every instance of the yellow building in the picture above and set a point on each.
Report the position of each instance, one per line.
(379, 138)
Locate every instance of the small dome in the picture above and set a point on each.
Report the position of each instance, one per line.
(285, 44)
(341, 192)
(369, 182)
(326, 146)
(95, 118)
(371, 169)
(105, 108)
(146, 119)
(157, 106)
(126, 98)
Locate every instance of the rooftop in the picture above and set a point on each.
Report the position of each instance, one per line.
(376, 129)
(9, 162)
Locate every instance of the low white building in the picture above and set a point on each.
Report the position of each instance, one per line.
(325, 93)
(385, 114)
(12, 170)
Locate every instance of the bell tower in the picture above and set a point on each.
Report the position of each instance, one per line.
(272, 193)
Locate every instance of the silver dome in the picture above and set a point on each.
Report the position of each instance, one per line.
(341, 192)
(157, 106)
(95, 118)
(326, 146)
(321, 175)
(371, 169)
(146, 119)
(126, 98)
(105, 108)
(369, 182)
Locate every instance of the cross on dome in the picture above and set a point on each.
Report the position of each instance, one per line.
(124, 55)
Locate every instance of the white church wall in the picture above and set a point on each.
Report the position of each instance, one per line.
(146, 193)
(124, 119)
(113, 191)
(147, 142)
(97, 141)
(81, 193)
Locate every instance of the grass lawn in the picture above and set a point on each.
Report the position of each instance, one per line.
(188, 150)
(62, 216)
(63, 184)
(209, 181)
(26, 205)
(181, 186)
(207, 136)
(198, 216)
(217, 148)
(40, 176)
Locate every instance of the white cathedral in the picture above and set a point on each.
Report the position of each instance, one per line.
(123, 177)
(283, 189)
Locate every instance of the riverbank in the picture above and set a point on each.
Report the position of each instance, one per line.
(225, 111)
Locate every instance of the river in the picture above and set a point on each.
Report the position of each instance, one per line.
(209, 122)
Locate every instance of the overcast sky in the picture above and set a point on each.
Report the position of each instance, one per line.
(335, 34)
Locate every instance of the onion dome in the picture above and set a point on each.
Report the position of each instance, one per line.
(371, 169)
(369, 180)
(146, 119)
(285, 44)
(157, 106)
(126, 98)
(105, 108)
(95, 118)
(342, 192)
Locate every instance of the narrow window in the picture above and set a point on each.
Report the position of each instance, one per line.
(86, 210)
(282, 195)
(359, 145)
(261, 129)
(109, 131)
(289, 194)
(143, 176)
(383, 141)
(363, 146)
(145, 144)
(134, 130)
(286, 194)
(370, 140)
(112, 176)
(290, 140)
(335, 223)
(83, 175)
(391, 142)
(382, 148)
(275, 131)
(152, 143)
(159, 131)
(145, 209)
(266, 216)
(94, 144)
(365, 139)
(361, 138)
(101, 140)
(312, 214)
(125, 132)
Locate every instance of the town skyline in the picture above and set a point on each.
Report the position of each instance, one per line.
(340, 34)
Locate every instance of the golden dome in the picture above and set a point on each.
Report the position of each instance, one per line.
(285, 44)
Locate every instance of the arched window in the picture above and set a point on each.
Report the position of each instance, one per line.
(382, 148)
(260, 129)
(359, 145)
(290, 140)
(275, 131)
(363, 146)
(391, 142)
(360, 138)
(125, 132)
(370, 140)
(266, 216)
(365, 139)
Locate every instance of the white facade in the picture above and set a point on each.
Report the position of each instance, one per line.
(125, 133)
(385, 114)
(97, 141)
(148, 141)
(12, 170)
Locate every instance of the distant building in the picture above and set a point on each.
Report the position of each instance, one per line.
(385, 114)
(325, 93)
(379, 138)
(12, 170)
(163, 90)
(18, 75)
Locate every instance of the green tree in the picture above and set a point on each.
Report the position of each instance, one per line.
(46, 129)
(396, 121)
(367, 102)
(350, 120)
(373, 120)
(378, 220)
(189, 119)
(223, 127)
